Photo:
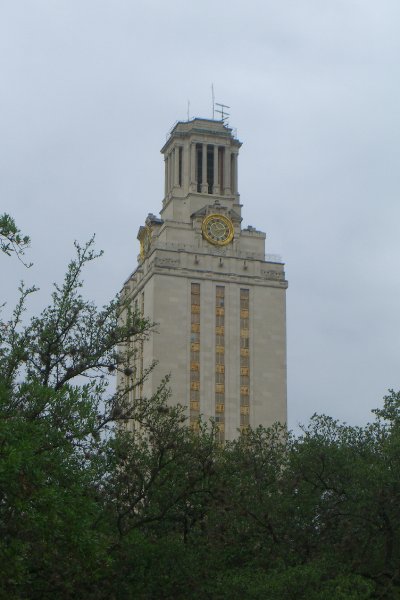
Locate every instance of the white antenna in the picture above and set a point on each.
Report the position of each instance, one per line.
(188, 110)
(213, 100)
(224, 114)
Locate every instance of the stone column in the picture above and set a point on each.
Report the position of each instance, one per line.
(216, 176)
(166, 176)
(204, 184)
(235, 173)
(172, 168)
(168, 173)
(227, 172)
(176, 166)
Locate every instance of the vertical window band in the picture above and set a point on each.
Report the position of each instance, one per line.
(141, 370)
(220, 361)
(244, 360)
(195, 356)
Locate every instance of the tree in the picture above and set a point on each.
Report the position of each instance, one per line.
(11, 238)
(55, 436)
(78, 494)
(90, 510)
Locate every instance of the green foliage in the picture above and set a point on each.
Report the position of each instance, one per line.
(56, 423)
(90, 510)
(11, 238)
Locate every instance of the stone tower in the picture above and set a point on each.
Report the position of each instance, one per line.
(219, 304)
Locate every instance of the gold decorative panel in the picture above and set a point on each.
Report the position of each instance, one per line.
(220, 360)
(195, 355)
(244, 325)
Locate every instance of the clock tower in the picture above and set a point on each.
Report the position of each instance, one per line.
(219, 304)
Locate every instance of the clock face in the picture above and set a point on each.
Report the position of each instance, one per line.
(218, 229)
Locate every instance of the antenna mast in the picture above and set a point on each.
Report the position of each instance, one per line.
(213, 101)
(222, 111)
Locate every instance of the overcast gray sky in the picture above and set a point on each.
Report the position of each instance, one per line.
(89, 90)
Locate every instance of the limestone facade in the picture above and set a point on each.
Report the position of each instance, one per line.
(219, 304)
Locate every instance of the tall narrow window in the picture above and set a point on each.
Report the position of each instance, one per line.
(220, 361)
(210, 168)
(199, 166)
(244, 361)
(141, 371)
(136, 351)
(195, 356)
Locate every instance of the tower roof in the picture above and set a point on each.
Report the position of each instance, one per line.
(201, 127)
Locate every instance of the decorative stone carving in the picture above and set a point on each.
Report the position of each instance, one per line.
(166, 262)
(274, 275)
